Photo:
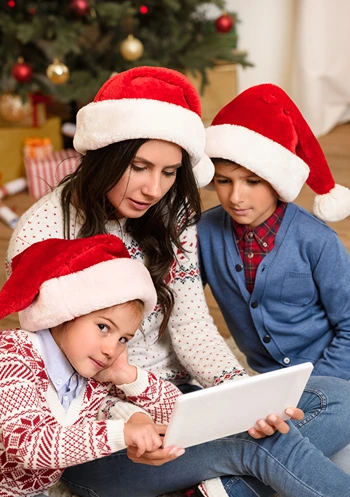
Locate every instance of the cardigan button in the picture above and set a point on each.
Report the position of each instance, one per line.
(254, 304)
(286, 360)
(266, 339)
(238, 267)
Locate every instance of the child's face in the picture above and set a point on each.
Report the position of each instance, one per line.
(92, 342)
(246, 197)
(147, 179)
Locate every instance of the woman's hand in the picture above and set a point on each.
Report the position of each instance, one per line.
(269, 426)
(120, 372)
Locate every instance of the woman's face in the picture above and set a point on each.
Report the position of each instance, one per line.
(148, 178)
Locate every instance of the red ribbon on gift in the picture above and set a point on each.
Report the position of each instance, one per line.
(38, 98)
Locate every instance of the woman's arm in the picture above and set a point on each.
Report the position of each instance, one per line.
(196, 340)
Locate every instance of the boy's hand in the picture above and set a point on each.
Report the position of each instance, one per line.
(273, 423)
(119, 372)
(144, 437)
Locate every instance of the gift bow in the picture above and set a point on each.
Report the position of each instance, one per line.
(37, 148)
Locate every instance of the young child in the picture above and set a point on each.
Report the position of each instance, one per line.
(56, 375)
(280, 276)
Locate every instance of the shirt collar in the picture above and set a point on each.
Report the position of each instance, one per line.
(57, 365)
(264, 230)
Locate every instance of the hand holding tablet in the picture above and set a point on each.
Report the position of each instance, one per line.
(235, 407)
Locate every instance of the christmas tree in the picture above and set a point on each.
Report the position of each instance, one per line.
(69, 48)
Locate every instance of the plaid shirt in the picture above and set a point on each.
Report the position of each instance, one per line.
(254, 244)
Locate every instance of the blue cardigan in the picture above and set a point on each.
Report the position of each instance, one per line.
(300, 308)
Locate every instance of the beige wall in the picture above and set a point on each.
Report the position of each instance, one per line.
(266, 32)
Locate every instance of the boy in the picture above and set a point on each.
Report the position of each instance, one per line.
(280, 276)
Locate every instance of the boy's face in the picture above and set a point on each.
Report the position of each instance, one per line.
(93, 342)
(246, 197)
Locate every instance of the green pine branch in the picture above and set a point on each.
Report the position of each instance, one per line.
(174, 33)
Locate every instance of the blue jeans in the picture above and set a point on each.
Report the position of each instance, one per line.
(342, 459)
(290, 464)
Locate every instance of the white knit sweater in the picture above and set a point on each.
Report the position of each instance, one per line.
(192, 348)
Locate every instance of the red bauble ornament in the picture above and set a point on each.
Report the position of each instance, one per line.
(80, 7)
(224, 24)
(143, 9)
(22, 72)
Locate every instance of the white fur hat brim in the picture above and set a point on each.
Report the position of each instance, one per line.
(285, 171)
(67, 297)
(110, 121)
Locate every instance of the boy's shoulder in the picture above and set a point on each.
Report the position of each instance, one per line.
(307, 221)
(211, 216)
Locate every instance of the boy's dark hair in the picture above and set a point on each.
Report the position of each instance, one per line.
(227, 162)
(158, 231)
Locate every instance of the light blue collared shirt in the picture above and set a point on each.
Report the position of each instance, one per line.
(67, 382)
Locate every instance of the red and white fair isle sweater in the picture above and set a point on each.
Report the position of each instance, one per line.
(38, 439)
(192, 348)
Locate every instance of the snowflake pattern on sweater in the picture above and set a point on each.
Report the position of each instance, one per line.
(192, 348)
(38, 439)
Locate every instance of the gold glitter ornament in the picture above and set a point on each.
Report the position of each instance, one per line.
(12, 108)
(131, 48)
(57, 72)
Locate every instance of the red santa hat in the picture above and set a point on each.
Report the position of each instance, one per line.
(146, 102)
(57, 280)
(264, 131)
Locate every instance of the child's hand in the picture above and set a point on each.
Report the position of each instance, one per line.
(140, 418)
(144, 437)
(155, 457)
(274, 423)
(119, 372)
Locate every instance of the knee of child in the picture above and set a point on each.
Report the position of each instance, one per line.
(331, 389)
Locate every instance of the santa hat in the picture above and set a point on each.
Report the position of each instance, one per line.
(264, 131)
(57, 280)
(146, 102)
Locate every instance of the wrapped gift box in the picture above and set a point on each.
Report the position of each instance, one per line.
(220, 90)
(44, 175)
(12, 141)
(37, 148)
(36, 118)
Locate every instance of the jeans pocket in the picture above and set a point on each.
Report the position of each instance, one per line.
(315, 403)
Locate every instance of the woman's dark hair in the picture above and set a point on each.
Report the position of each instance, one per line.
(157, 232)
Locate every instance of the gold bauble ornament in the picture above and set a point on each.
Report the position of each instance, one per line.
(12, 108)
(57, 72)
(131, 48)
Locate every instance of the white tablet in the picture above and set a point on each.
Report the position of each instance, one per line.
(235, 407)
